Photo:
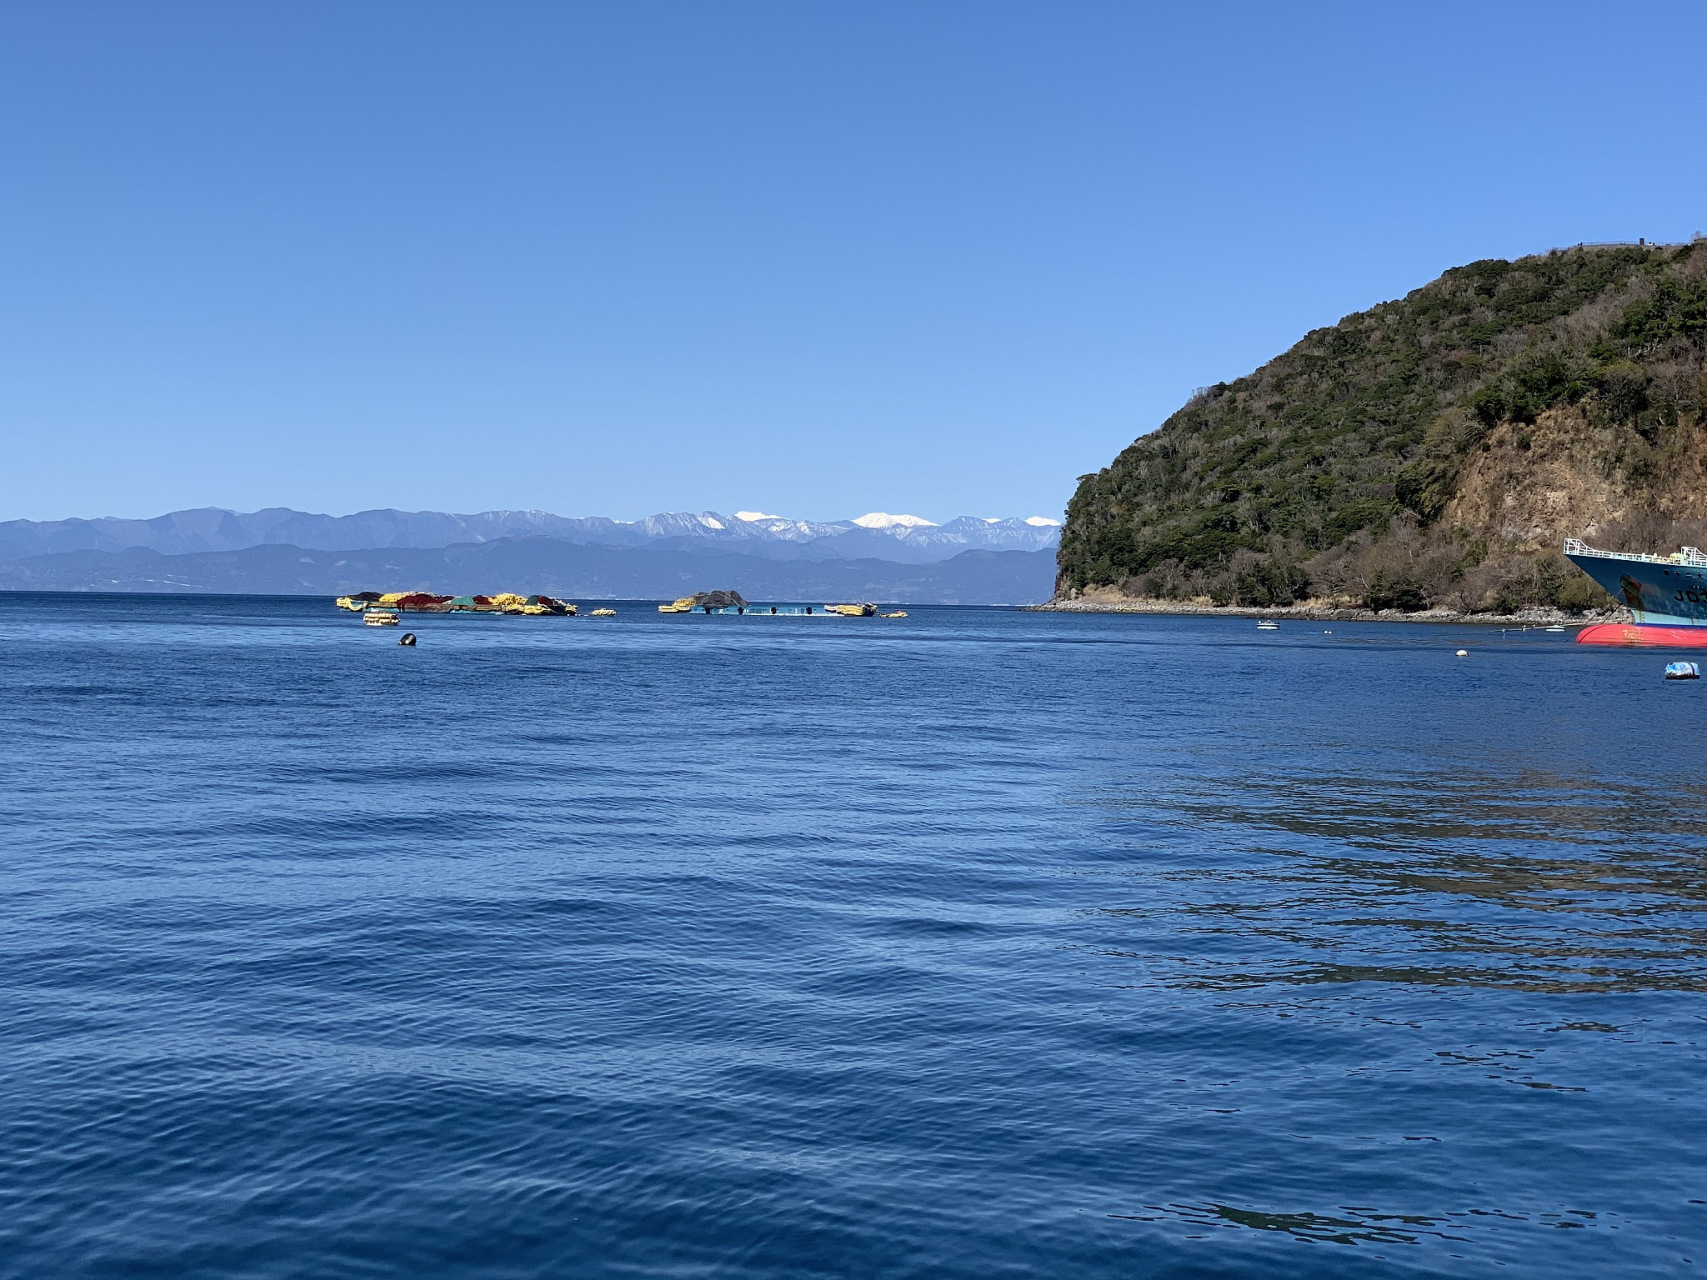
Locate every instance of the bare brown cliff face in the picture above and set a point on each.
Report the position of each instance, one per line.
(1535, 485)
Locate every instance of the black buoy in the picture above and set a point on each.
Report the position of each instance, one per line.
(408, 638)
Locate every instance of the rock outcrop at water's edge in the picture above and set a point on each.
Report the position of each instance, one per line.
(1318, 611)
(1430, 453)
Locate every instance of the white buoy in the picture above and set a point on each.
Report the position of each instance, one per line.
(1463, 653)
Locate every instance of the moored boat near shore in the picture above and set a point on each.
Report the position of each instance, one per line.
(1666, 596)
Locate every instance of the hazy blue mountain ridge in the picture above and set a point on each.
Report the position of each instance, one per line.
(212, 529)
(535, 564)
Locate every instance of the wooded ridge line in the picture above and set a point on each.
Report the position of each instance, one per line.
(1432, 451)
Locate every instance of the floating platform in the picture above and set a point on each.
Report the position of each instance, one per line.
(780, 610)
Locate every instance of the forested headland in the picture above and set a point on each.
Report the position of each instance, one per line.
(1432, 451)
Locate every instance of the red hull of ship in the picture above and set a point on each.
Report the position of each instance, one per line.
(1629, 636)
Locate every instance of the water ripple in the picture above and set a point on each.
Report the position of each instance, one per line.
(980, 944)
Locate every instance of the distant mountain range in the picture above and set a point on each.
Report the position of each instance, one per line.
(575, 572)
(878, 536)
(878, 557)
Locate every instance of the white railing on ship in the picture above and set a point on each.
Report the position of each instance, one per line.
(1689, 555)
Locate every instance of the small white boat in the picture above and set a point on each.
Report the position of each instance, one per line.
(1556, 627)
(1268, 626)
(381, 617)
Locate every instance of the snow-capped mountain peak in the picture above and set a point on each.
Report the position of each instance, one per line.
(883, 520)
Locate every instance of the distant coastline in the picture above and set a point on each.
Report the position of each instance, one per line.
(878, 557)
(543, 566)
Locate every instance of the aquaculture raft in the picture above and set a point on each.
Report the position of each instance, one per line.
(425, 602)
(730, 602)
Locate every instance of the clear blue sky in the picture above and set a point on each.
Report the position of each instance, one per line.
(811, 258)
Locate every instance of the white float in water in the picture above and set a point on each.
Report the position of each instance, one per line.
(1463, 653)
(1682, 671)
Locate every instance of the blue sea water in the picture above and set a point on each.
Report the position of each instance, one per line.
(975, 944)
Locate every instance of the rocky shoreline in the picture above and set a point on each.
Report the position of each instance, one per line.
(1331, 613)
